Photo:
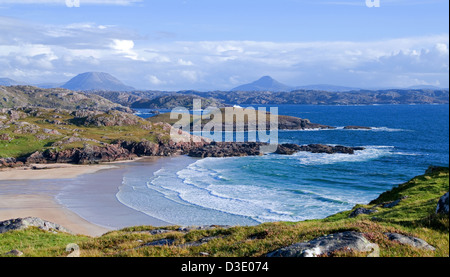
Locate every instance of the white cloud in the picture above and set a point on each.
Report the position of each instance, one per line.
(155, 80)
(63, 2)
(26, 49)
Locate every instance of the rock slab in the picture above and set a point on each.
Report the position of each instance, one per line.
(326, 245)
(408, 240)
(24, 223)
(442, 207)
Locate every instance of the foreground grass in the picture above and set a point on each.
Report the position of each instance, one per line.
(415, 216)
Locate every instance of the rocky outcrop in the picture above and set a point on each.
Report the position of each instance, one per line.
(289, 149)
(357, 128)
(442, 207)
(242, 149)
(9, 162)
(226, 149)
(294, 123)
(110, 118)
(408, 240)
(24, 223)
(88, 155)
(327, 245)
(360, 211)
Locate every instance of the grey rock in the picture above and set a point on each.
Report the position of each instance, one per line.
(392, 204)
(360, 211)
(327, 245)
(198, 243)
(161, 242)
(412, 241)
(207, 227)
(442, 207)
(24, 223)
(15, 253)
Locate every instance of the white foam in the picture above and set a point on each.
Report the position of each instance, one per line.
(369, 153)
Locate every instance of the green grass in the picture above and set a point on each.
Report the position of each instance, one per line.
(24, 143)
(413, 216)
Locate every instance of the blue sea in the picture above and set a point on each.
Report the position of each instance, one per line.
(404, 141)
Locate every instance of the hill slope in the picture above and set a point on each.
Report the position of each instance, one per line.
(8, 82)
(96, 81)
(28, 96)
(266, 83)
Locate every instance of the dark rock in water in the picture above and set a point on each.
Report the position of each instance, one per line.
(357, 128)
(24, 223)
(288, 149)
(226, 149)
(412, 241)
(442, 207)
(360, 211)
(327, 245)
(240, 149)
(328, 149)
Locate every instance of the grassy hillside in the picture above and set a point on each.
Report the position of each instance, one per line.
(25, 131)
(28, 96)
(414, 215)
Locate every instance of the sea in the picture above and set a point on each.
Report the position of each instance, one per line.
(404, 141)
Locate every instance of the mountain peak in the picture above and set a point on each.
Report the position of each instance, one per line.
(8, 82)
(265, 83)
(96, 81)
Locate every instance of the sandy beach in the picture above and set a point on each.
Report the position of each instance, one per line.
(88, 194)
(45, 207)
(51, 171)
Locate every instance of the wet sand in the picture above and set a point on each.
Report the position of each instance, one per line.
(80, 198)
(51, 171)
(45, 207)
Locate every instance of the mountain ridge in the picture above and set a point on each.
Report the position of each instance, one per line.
(96, 81)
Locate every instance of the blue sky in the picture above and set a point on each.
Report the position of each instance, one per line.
(219, 44)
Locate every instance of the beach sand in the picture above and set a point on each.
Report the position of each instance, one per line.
(45, 207)
(81, 198)
(51, 171)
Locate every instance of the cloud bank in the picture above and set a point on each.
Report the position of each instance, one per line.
(48, 53)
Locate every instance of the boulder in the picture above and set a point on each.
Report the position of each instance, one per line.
(24, 223)
(442, 207)
(14, 253)
(327, 245)
(360, 211)
(408, 240)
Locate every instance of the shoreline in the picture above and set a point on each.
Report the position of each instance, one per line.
(27, 192)
(45, 207)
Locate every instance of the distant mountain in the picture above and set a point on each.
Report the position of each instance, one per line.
(266, 83)
(425, 87)
(48, 85)
(96, 81)
(329, 88)
(8, 82)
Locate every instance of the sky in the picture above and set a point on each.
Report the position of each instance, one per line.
(220, 44)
